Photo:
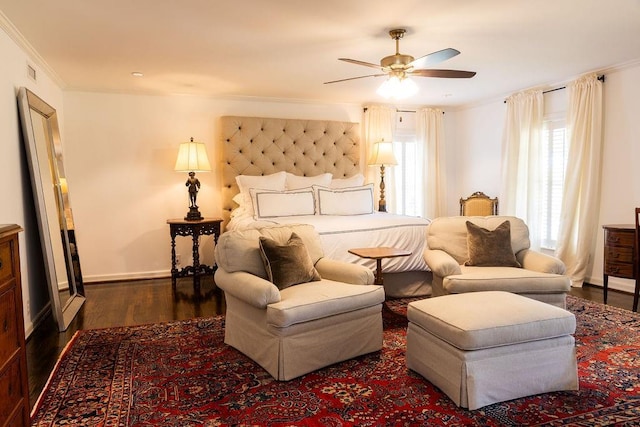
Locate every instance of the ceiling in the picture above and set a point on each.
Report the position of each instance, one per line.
(286, 49)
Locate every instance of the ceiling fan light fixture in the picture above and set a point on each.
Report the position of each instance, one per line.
(397, 88)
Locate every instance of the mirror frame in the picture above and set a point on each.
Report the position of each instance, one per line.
(46, 185)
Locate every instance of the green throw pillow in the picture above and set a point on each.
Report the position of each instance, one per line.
(288, 264)
(490, 248)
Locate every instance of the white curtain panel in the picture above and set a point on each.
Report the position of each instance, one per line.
(379, 124)
(430, 137)
(520, 193)
(581, 199)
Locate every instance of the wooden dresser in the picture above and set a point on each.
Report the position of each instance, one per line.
(619, 253)
(14, 389)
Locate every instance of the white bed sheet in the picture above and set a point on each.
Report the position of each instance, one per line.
(341, 233)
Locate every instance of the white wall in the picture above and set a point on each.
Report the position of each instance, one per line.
(120, 151)
(15, 191)
(478, 149)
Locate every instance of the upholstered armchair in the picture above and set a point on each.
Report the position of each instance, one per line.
(289, 308)
(490, 255)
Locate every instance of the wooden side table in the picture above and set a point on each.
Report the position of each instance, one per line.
(195, 229)
(379, 254)
(619, 254)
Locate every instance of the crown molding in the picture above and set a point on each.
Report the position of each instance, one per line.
(33, 54)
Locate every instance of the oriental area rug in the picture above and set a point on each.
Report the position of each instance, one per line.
(182, 374)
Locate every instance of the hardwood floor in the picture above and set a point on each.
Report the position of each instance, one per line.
(150, 301)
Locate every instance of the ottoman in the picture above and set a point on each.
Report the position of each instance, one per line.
(481, 348)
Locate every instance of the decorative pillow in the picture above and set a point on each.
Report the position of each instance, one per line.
(353, 181)
(274, 182)
(490, 248)
(269, 204)
(345, 201)
(294, 182)
(288, 264)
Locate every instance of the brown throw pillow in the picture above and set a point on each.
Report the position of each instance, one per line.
(288, 264)
(490, 248)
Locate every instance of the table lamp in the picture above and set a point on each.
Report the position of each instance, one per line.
(382, 155)
(192, 158)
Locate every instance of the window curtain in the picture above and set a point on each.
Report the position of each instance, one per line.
(430, 137)
(379, 124)
(581, 197)
(520, 152)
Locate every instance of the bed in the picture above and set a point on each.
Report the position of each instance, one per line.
(286, 171)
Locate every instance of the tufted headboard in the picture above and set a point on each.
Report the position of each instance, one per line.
(262, 146)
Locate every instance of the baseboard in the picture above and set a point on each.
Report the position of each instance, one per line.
(33, 325)
(616, 283)
(123, 277)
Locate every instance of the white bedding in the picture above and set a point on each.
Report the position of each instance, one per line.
(341, 233)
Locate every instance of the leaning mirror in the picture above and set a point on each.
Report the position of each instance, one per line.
(51, 193)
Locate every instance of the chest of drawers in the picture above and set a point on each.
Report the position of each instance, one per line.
(619, 253)
(14, 389)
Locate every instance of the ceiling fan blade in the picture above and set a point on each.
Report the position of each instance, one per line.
(366, 64)
(448, 74)
(434, 58)
(354, 78)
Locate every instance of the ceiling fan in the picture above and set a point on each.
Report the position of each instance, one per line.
(402, 66)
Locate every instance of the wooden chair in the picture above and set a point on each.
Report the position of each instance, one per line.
(636, 262)
(478, 204)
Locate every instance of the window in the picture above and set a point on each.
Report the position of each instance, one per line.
(553, 162)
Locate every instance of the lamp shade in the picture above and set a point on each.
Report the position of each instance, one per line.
(192, 157)
(382, 154)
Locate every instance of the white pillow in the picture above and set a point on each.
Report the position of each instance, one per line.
(269, 204)
(293, 182)
(353, 181)
(274, 182)
(345, 201)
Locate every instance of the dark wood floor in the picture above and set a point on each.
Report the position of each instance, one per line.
(149, 301)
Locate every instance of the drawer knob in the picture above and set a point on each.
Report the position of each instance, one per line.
(0, 262)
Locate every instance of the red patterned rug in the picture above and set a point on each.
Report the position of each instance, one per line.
(181, 374)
